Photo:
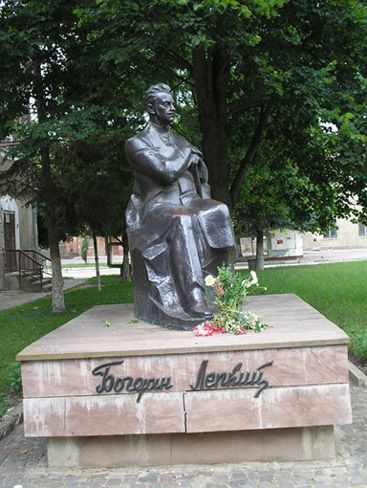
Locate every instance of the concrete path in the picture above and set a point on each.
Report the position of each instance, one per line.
(334, 255)
(12, 298)
(316, 257)
(23, 465)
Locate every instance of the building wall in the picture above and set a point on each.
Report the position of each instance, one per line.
(347, 235)
(73, 247)
(26, 236)
(9, 204)
(25, 222)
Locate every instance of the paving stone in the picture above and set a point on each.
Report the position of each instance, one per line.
(243, 484)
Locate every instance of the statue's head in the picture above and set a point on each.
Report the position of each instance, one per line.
(159, 103)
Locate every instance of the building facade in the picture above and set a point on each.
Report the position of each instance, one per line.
(282, 243)
(18, 231)
(18, 228)
(346, 234)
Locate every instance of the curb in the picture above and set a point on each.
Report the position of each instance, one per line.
(356, 376)
(13, 417)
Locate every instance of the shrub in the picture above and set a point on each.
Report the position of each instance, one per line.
(359, 344)
(15, 377)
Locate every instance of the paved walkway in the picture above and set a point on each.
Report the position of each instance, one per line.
(23, 465)
(12, 298)
(315, 257)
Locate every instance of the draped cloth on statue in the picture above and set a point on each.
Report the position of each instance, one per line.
(176, 232)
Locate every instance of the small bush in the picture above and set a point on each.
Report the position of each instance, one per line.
(15, 377)
(3, 404)
(359, 344)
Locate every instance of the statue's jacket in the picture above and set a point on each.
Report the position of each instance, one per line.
(162, 179)
(165, 198)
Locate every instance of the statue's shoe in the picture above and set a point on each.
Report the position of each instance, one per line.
(200, 310)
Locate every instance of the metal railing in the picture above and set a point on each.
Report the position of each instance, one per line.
(27, 262)
(42, 259)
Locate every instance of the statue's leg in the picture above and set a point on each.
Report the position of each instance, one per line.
(186, 266)
(214, 234)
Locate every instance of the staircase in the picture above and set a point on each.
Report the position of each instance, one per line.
(28, 268)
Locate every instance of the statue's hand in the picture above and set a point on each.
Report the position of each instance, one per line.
(196, 152)
(195, 161)
(197, 165)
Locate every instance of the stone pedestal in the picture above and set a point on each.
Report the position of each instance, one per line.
(306, 444)
(137, 394)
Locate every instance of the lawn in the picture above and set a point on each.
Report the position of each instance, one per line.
(338, 291)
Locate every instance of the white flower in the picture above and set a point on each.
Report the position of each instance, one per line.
(254, 280)
(251, 317)
(209, 280)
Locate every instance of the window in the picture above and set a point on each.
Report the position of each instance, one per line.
(362, 230)
(331, 234)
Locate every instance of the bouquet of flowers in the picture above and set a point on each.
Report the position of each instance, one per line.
(229, 290)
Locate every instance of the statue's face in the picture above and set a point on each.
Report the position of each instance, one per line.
(163, 108)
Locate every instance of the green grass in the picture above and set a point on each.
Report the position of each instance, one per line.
(339, 291)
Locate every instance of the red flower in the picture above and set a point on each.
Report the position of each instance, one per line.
(208, 329)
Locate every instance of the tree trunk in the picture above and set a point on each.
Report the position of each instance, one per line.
(48, 191)
(210, 72)
(125, 270)
(58, 303)
(260, 250)
(96, 258)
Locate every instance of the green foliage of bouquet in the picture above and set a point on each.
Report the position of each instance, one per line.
(230, 290)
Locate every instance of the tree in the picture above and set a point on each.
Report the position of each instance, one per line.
(245, 61)
(263, 78)
(304, 175)
(99, 184)
(49, 62)
(282, 197)
(84, 249)
(37, 41)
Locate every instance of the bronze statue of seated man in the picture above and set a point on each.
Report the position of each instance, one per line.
(176, 232)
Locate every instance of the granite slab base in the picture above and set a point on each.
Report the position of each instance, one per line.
(303, 444)
(137, 394)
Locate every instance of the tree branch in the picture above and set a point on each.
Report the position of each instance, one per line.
(251, 151)
(184, 63)
(240, 108)
(181, 78)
